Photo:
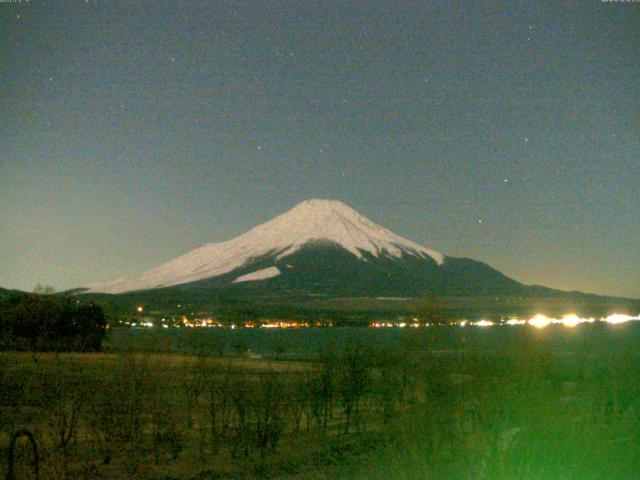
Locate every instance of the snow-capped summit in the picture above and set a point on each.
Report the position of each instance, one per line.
(315, 221)
(334, 221)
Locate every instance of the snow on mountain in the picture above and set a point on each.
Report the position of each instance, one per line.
(310, 221)
(263, 274)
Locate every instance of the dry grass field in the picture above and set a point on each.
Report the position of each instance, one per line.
(525, 412)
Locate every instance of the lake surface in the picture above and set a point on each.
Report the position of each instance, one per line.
(305, 342)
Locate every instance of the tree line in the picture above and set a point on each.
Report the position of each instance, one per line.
(48, 322)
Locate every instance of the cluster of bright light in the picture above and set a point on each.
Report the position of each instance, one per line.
(210, 323)
(620, 318)
(484, 323)
(479, 323)
(286, 325)
(381, 324)
(572, 320)
(515, 321)
(539, 321)
(200, 323)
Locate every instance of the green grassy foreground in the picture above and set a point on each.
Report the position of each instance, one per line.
(525, 412)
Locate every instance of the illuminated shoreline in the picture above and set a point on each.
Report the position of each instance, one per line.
(538, 321)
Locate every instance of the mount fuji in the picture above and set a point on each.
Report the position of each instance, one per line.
(318, 247)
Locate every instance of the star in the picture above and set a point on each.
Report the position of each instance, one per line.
(506, 180)
(526, 139)
(479, 220)
(18, 16)
(259, 147)
(530, 27)
(51, 79)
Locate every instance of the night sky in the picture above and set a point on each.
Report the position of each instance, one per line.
(130, 132)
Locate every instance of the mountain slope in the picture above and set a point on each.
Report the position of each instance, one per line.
(324, 268)
(320, 247)
(310, 221)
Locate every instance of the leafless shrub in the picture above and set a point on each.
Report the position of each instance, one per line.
(117, 413)
(268, 412)
(240, 395)
(354, 384)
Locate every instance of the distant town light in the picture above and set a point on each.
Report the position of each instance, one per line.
(573, 320)
(484, 323)
(516, 321)
(620, 318)
(140, 309)
(540, 321)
